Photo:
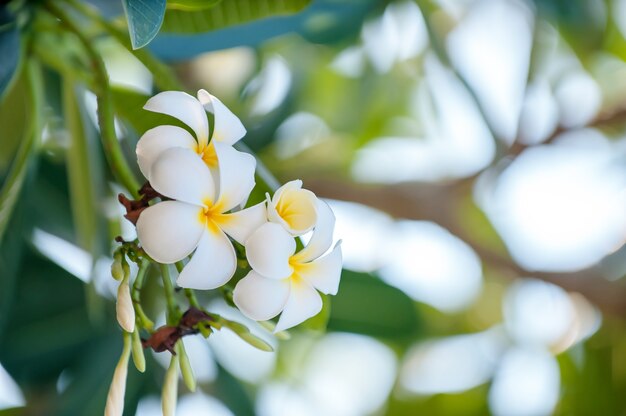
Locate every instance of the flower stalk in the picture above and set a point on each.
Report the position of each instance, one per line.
(142, 319)
(173, 311)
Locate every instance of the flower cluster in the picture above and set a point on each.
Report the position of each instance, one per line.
(204, 184)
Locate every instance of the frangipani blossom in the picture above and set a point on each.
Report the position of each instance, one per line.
(283, 280)
(191, 111)
(197, 217)
(293, 207)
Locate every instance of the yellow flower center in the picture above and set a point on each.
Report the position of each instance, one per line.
(297, 269)
(297, 209)
(208, 155)
(211, 215)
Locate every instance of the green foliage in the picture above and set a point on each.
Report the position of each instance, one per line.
(84, 170)
(191, 5)
(25, 101)
(144, 20)
(369, 306)
(129, 107)
(10, 50)
(228, 13)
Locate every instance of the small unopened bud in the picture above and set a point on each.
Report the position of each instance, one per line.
(244, 333)
(256, 342)
(117, 270)
(185, 367)
(115, 399)
(124, 307)
(169, 394)
(271, 327)
(138, 357)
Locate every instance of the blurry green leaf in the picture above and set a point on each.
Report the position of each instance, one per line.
(191, 5)
(578, 21)
(28, 134)
(85, 184)
(369, 306)
(144, 20)
(15, 124)
(81, 170)
(228, 13)
(9, 50)
(129, 106)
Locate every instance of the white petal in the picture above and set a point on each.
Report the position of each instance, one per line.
(303, 303)
(322, 236)
(268, 250)
(170, 230)
(180, 174)
(213, 263)
(158, 139)
(324, 273)
(227, 128)
(236, 172)
(241, 224)
(260, 298)
(184, 107)
(294, 208)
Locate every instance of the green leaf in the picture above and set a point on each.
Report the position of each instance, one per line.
(9, 51)
(369, 306)
(191, 5)
(82, 170)
(144, 20)
(228, 13)
(29, 104)
(129, 104)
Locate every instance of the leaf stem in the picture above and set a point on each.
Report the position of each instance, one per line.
(173, 312)
(189, 293)
(106, 118)
(142, 318)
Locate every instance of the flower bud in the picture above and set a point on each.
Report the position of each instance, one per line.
(244, 333)
(185, 367)
(115, 399)
(117, 271)
(138, 357)
(170, 388)
(124, 307)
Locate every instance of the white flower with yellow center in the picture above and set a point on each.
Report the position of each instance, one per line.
(198, 215)
(284, 281)
(294, 208)
(227, 128)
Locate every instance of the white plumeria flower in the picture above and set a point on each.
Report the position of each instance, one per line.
(191, 111)
(293, 207)
(197, 216)
(283, 280)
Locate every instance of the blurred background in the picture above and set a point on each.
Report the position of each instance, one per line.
(474, 153)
